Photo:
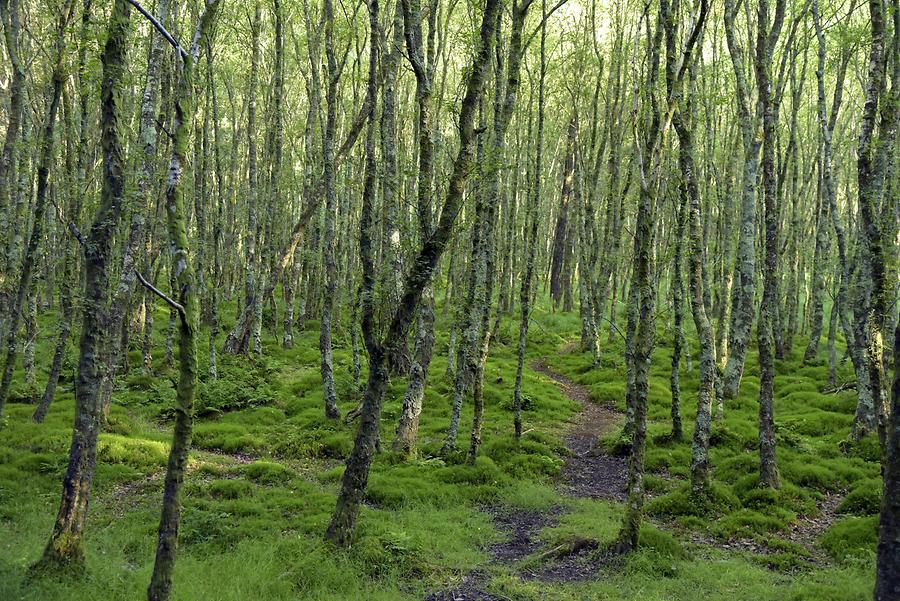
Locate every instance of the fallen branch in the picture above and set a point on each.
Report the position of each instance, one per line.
(570, 547)
(160, 28)
(840, 388)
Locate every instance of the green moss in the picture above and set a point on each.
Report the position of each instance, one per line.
(746, 523)
(681, 502)
(867, 448)
(863, 499)
(810, 475)
(230, 438)
(788, 496)
(659, 554)
(851, 537)
(139, 453)
(267, 472)
(230, 489)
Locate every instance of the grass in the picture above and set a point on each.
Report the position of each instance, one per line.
(266, 466)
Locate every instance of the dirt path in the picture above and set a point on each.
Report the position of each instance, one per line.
(587, 473)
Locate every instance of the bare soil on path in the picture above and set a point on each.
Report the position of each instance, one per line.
(587, 473)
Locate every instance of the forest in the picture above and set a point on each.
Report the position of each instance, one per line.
(450, 300)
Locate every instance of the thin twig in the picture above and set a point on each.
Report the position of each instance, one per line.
(550, 12)
(614, 326)
(162, 295)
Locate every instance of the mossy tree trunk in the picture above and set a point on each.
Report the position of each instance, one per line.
(9, 15)
(876, 157)
(767, 36)
(142, 210)
(65, 545)
(187, 306)
(355, 479)
(325, 346)
(743, 286)
(887, 573)
(408, 426)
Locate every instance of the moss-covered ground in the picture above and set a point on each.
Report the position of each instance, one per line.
(266, 466)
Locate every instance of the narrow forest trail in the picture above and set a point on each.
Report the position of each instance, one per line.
(587, 473)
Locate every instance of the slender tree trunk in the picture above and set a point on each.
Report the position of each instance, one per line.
(9, 15)
(65, 544)
(355, 479)
(241, 336)
(743, 287)
(188, 311)
(327, 367)
(678, 341)
(766, 38)
(531, 231)
(696, 258)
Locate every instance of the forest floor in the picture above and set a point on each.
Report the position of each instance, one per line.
(587, 473)
(531, 520)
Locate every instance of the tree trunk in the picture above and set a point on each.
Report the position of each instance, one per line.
(766, 38)
(65, 544)
(327, 367)
(355, 479)
(188, 311)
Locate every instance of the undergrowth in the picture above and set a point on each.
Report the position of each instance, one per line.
(266, 465)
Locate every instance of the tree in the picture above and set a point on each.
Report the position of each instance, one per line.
(65, 545)
(355, 479)
(187, 307)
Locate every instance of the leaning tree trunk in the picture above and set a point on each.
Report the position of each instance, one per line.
(23, 286)
(356, 475)
(408, 426)
(65, 544)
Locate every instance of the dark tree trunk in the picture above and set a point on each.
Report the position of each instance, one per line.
(65, 544)
(355, 479)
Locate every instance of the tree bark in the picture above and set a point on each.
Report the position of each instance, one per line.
(188, 311)
(65, 545)
(355, 479)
